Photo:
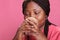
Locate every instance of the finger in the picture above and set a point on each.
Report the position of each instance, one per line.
(21, 36)
(33, 20)
(32, 25)
(23, 25)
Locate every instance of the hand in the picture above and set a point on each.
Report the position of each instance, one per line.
(30, 27)
(37, 34)
(20, 32)
(34, 30)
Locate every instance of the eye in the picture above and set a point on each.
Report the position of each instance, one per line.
(36, 13)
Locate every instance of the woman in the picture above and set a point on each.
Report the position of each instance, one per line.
(36, 25)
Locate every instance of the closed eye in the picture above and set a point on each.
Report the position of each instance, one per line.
(36, 13)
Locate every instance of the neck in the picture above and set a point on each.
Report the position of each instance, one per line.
(42, 27)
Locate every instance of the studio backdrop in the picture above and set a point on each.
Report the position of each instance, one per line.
(11, 16)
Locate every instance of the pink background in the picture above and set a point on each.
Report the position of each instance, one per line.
(11, 16)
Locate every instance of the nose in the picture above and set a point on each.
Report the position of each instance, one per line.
(32, 14)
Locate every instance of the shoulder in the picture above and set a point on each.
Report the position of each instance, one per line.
(54, 28)
(54, 32)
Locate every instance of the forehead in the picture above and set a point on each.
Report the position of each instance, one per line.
(32, 6)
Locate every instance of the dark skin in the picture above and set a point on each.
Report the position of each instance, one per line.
(34, 21)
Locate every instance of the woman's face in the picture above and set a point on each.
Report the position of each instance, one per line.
(34, 10)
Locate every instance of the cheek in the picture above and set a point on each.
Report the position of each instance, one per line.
(41, 19)
(25, 17)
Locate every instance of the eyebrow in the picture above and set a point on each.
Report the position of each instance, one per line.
(33, 10)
